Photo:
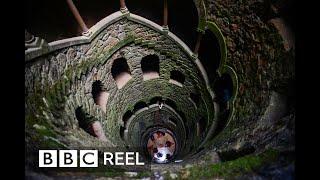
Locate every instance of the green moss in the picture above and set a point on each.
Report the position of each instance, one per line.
(112, 172)
(43, 138)
(143, 174)
(46, 132)
(49, 142)
(31, 120)
(101, 171)
(229, 169)
(202, 25)
(55, 95)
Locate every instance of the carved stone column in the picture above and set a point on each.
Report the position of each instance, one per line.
(165, 15)
(75, 12)
(123, 7)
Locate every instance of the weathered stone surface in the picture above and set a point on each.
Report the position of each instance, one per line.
(258, 55)
(264, 64)
(70, 73)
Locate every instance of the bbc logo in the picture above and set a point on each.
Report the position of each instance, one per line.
(68, 158)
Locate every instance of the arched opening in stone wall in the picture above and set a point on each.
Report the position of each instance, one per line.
(126, 117)
(150, 67)
(81, 117)
(201, 126)
(177, 78)
(195, 97)
(139, 106)
(120, 72)
(99, 96)
(223, 89)
(155, 100)
(122, 129)
(209, 54)
(90, 124)
(97, 130)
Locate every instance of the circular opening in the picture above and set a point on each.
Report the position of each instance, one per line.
(161, 146)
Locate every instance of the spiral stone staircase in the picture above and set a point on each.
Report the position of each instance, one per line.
(125, 79)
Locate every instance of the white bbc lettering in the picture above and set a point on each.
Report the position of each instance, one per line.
(129, 158)
(88, 158)
(48, 158)
(107, 156)
(68, 158)
(119, 156)
(122, 158)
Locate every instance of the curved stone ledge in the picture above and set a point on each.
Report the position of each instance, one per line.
(183, 103)
(230, 71)
(202, 14)
(135, 117)
(96, 29)
(158, 28)
(101, 58)
(93, 32)
(222, 43)
(101, 25)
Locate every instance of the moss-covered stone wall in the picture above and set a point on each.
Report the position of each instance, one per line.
(59, 82)
(256, 51)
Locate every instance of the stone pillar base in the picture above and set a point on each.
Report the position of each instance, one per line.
(124, 10)
(165, 29)
(87, 33)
